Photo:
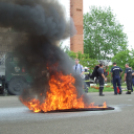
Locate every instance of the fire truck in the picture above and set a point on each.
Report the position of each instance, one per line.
(16, 75)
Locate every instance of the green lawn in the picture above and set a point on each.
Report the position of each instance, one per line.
(106, 89)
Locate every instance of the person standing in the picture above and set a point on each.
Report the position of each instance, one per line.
(78, 68)
(95, 72)
(116, 73)
(128, 78)
(87, 77)
(132, 79)
(101, 78)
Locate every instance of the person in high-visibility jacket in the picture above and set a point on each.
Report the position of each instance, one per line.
(87, 77)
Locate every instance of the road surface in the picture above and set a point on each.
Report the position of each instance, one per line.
(15, 118)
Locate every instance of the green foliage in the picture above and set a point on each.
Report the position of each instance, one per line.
(84, 60)
(106, 89)
(131, 59)
(122, 58)
(80, 56)
(103, 35)
(72, 54)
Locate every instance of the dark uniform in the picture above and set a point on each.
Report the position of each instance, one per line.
(128, 71)
(101, 80)
(116, 78)
(95, 72)
(132, 80)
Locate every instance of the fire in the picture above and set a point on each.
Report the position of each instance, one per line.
(62, 95)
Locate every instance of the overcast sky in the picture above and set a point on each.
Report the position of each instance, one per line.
(123, 9)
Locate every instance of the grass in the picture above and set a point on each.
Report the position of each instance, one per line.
(107, 88)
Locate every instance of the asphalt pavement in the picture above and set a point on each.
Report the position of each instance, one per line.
(15, 118)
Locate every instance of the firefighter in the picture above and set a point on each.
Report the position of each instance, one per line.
(102, 79)
(132, 79)
(128, 78)
(87, 77)
(116, 73)
(95, 72)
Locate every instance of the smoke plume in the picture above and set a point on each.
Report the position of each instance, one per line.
(40, 25)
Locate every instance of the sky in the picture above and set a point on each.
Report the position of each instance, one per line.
(122, 9)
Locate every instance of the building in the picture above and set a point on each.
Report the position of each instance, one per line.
(76, 12)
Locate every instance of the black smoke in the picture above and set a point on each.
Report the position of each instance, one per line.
(40, 25)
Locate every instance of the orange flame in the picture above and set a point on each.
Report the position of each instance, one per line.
(62, 95)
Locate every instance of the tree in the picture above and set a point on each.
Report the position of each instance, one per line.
(84, 59)
(122, 58)
(71, 54)
(103, 35)
(131, 59)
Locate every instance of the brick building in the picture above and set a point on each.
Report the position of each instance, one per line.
(76, 12)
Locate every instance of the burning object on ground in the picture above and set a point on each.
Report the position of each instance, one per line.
(39, 25)
(62, 97)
